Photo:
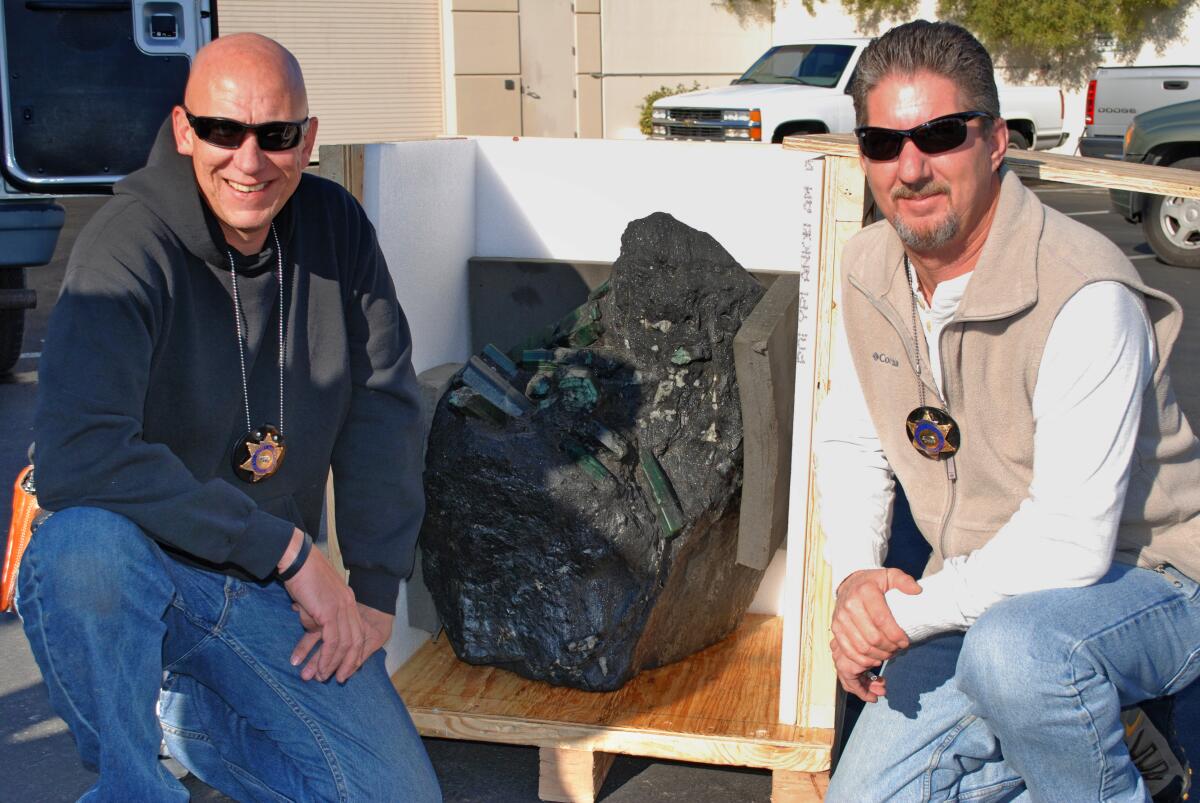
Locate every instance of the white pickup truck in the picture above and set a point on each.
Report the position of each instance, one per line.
(1116, 94)
(803, 88)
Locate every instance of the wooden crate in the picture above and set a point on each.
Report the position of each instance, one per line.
(719, 706)
(724, 705)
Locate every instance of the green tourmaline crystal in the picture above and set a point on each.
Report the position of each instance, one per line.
(586, 335)
(500, 361)
(468, 401)
(595, 470)
(488, 382)
(670, 517)
(609, 439)
(578, 392)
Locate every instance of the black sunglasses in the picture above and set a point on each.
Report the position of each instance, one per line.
(225, 133)
(935, 136)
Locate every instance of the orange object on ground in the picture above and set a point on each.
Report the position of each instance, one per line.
(24, 510)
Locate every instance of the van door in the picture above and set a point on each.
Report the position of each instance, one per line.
(86, 84)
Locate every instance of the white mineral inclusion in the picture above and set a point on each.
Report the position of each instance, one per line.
(710, 434)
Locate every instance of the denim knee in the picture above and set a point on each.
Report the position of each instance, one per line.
(86, 558)
(1011, 658)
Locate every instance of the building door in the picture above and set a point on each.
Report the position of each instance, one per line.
(547, 68)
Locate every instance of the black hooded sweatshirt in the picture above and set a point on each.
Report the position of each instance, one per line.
(140, 406)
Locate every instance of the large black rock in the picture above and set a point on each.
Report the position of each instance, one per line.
(591, 531)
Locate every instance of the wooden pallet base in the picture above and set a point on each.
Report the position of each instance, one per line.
(719, 706)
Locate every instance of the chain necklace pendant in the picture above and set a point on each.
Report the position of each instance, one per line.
(258, 454)
(933, 432)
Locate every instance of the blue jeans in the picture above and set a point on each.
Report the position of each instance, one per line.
(107, 613)
(1026, 705)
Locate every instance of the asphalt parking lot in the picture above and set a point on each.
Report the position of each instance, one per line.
(37, 756)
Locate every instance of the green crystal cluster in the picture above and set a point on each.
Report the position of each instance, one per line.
(554, 371)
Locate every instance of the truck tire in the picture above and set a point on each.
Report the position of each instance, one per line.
(12, 321)
(1172, 225)
(1017, 140)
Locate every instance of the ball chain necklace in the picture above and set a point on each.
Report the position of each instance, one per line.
(931, 430)
(263, 446)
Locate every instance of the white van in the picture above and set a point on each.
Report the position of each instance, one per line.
(84, 87)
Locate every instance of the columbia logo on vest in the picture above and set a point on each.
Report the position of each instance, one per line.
(892, 361)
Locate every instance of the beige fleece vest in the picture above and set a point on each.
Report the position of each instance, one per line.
(1035, 259)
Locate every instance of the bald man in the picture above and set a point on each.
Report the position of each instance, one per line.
(227, 332)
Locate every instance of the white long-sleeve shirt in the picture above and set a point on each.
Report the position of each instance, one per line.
(1098, 360)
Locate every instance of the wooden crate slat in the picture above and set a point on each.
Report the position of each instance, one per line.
(1106, 173)
(843, 205)
(571, 776)
(798, 787)
(718, 706)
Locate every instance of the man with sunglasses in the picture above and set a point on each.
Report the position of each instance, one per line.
(1009, 368)
(228, 331)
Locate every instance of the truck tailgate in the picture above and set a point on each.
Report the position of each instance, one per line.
(1122, 92)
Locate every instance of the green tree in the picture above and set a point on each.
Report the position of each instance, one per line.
(748, 11)
(644, 120)
(1065, 39)
(1060, 41)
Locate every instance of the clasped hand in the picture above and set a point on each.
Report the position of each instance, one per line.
(343, 632)
(865, 633)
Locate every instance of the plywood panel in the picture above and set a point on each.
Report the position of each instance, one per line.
(718, 706)
(764, 353)
(843, 203)
(1049, 167)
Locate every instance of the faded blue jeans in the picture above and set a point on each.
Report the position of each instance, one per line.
(107, 612)
(1026, 705)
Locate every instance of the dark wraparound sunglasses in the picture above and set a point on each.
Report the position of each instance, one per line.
(225, 133)
(935, 136)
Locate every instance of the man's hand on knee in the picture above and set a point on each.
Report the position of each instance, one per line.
(377, 629)
(865, 633)
(336, 624)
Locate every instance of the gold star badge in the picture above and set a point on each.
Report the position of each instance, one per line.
(933, 432)
(264, 454)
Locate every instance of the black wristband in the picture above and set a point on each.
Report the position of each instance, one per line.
(298, 563)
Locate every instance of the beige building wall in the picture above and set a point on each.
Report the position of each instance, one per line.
(622, 50)
(589, 64)
(679, 36)
(524, 67)
(373, 67)
(647, 45)
(486, 68)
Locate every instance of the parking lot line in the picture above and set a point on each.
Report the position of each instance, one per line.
(1090, 212)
